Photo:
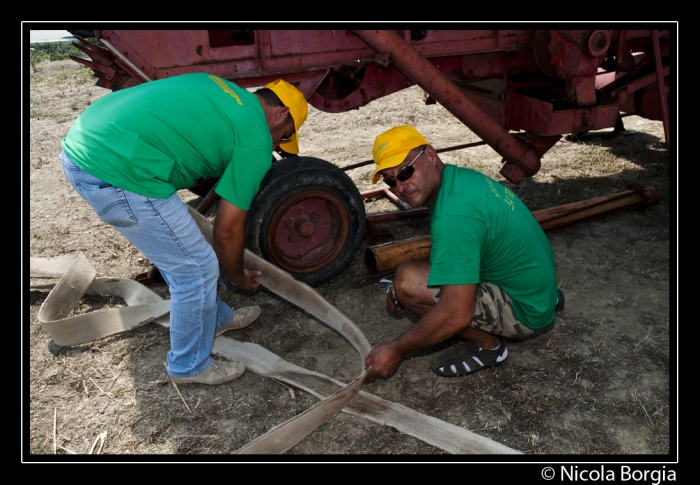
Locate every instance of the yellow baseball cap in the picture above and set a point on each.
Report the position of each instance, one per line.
(298, 107)
(391, 147)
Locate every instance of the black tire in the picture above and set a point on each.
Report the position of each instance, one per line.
(308, 218)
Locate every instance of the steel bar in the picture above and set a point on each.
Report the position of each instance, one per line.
(459, 147)
(397, 215)
(125, 60)
(438, 150)
(526, 162)
(385, 192)
(374, 235)
(373, 278)
(621, 45)
(368, 194)
(397, 202)
(209, 200)
(356, 165)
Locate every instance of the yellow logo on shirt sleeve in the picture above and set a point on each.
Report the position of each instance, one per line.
(509, 198)
(493, 189)
(226, 88)
(508, 194)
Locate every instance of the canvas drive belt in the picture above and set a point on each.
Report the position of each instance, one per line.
(78, 277)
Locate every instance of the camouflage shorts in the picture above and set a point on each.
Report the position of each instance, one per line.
(494, 313)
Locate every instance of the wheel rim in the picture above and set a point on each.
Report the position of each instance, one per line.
(308, 231)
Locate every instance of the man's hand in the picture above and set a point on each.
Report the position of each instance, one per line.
(383, 360)
(392, 303)
(450, 316)
(229, 241)
(248, 282)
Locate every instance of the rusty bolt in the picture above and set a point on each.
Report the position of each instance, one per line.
(306, 229)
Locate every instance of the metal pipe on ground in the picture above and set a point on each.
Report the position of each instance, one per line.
(390, 255)
(395, 200)
(368, 194)
(597, 208)
(386, 192)
(397, 215)
(387, 256)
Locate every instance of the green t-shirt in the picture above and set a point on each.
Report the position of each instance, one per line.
(161, 136)
(481, 231)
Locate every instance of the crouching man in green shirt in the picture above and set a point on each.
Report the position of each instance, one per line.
(491, 272)
(130, 151)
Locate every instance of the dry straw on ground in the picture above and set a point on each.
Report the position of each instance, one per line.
(599, 383)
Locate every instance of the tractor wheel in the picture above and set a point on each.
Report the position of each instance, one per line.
(308, 218)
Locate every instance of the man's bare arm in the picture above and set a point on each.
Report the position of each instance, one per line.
(229, 243)
(451, 314)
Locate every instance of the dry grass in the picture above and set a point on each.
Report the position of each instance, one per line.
(598, 384)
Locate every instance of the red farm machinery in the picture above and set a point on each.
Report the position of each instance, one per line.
(519, 91)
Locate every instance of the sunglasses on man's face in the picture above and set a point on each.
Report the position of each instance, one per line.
(288, 138)
(404, 174)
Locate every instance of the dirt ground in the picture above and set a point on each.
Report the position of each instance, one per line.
(602, 382)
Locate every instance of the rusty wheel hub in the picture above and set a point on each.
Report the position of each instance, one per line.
(308, 231)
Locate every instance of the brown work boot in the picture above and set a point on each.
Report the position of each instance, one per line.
(241, 318)
(218, 373)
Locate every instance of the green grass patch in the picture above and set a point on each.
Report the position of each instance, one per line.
(54, 52)
(82, 74)
(51, 52)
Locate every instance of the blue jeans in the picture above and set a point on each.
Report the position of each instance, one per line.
(166, 234)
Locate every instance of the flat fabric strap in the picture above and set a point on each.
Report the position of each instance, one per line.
(77, 278)
(434, 431)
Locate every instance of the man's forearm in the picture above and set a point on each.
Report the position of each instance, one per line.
(435, 326)
(451, 314)
(229, 240)
(230, 255)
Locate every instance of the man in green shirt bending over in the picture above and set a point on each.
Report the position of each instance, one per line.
(130, 151)
(491, 272)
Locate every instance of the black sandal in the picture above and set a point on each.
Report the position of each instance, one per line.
(561, 301)
(467, 358)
